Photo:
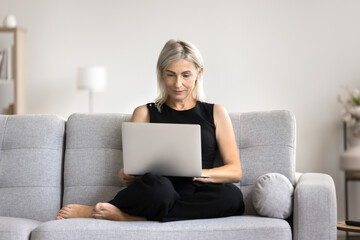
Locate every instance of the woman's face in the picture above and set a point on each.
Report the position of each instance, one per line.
(180, 77)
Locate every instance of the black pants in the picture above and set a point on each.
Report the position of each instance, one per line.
(172, 198)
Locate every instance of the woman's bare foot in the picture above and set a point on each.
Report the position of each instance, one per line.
(110, 212)
(75, 211)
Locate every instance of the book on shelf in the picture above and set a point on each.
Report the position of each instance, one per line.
(6, 63)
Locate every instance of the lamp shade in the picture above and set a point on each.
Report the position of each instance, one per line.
(92, 78)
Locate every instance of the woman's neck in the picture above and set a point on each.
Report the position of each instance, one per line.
(181, 105)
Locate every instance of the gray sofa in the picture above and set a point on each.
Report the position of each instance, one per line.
(47, 162)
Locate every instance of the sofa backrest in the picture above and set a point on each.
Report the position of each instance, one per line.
(266, 142)
(31, 157)
(93, 157)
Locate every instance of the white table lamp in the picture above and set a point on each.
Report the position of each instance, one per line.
(92, 79)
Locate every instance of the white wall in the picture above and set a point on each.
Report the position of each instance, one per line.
(259, 55)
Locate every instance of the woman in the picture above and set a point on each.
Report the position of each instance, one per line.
(153, 197)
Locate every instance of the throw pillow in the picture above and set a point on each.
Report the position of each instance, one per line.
(272, 196)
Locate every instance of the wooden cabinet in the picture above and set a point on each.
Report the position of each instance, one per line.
(13, 91)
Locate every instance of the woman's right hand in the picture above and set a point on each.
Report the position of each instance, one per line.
(140, 114)
(127, 179)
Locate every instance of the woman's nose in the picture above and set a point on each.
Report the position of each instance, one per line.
(178, 81)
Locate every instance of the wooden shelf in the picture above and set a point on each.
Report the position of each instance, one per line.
(11, 30)
(19, 70)
(348, 228)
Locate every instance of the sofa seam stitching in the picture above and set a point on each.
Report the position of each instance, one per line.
(179, 231)
(79, 148)
(3, 137)
(74, 186)
(12, 149)
(269, 145)
(29, 187)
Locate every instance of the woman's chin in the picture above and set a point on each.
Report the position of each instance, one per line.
(177, 97)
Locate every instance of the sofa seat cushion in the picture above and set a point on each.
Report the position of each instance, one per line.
(16, 228)
(237, 227)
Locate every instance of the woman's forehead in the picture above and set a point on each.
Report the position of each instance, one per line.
(181, 65)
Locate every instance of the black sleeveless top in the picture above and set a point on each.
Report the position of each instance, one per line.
(202, 114)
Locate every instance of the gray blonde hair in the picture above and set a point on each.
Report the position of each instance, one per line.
(175, 50)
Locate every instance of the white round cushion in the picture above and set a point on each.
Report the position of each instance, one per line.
(272, 196)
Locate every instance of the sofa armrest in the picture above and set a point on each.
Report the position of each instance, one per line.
(315, 209)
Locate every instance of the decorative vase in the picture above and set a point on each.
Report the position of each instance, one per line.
(350, 159)
(357, 110)
(10, 21)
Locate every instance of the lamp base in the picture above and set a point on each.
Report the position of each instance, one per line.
(90, 102)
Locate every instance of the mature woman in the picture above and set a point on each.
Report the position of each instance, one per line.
(153, 197)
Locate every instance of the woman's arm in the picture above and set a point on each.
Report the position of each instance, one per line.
(225, 137)
(140, 114)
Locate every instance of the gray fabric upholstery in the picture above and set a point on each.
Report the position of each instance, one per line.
(249, 207)
(93, 141)
(31, 154)
(16, 228)
(93, 157)
(272, 196)
(266, 142)
(315, 214)
(242, 228)
(32, 151)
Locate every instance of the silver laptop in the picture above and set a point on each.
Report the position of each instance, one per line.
(164, 149)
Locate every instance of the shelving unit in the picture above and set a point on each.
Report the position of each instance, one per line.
(18, 83)
(353, 175)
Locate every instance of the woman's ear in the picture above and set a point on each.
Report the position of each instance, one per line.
(200, 72)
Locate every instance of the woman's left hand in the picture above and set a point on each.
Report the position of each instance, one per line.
(203, 179)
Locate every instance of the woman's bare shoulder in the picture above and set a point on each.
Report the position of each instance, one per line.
(141, 114)
(220, 113)
(219, 109)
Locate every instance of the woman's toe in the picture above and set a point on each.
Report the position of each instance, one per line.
(99, 206)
